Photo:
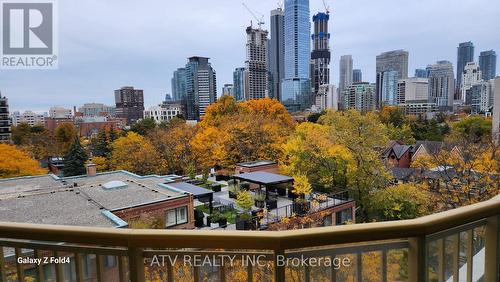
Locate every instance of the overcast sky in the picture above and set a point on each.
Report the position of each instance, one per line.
(106, 44)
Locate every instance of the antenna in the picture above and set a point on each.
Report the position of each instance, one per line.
(327, 8)
(260, 21)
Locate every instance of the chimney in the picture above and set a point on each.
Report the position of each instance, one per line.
(91, 169)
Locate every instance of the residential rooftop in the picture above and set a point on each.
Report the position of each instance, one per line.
(81, 201)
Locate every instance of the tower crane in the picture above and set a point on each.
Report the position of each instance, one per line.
(327, 8)
(260, 22)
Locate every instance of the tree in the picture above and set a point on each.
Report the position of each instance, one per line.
(35, 140)
(16, 163)
(174, 144)
(301, 186)
(136, 154)
(144, 126)
(74, 160)
(65, 134)
(393, 115)
(102, 163)
(245, 201)
(403, 133)
(100, 144)
(473, 128)
(430, 130)
(399, 202)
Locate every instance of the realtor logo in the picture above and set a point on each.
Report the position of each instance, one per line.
(29, 38)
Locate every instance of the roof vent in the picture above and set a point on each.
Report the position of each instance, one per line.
(114, 185)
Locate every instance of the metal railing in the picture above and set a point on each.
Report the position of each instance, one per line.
(457, 245)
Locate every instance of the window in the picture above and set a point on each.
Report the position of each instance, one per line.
(176, 216)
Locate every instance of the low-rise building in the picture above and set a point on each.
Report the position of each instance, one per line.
(97, 109)
(114, 199)
(164, 112)
(28, 117)
(60, 113)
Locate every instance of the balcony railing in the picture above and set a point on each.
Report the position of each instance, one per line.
(457, 245)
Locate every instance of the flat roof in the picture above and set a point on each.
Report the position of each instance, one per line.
(256, 163)
(197, 191)
(79, 200)
(263, 178)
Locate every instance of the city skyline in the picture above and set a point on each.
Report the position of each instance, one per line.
(95, 61)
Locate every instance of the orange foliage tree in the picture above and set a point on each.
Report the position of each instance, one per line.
(15, 163)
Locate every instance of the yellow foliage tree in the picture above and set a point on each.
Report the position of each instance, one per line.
(15, 163)
(136, 154)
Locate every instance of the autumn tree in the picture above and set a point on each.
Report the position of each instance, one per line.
(174, 144)
(399, 202)
(234, 132)
(15, 163)
(144, 126)
(65, 134)
(74, 160)
(473, 128)
(136, 154)
(37, 141)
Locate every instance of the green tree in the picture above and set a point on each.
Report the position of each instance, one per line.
(100, 144)
(400, 202)
(74, 160)
(143, 127)
(65, 135)
(473, 128)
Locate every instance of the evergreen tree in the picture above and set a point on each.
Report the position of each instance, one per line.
(74, 160)
(100, 146)
(112, 135)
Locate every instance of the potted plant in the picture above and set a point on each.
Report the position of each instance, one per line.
(213, 219)
(301, 187)
(222, 220)
(233, 191)
(260, 200)
(216, 187)
(245, 202)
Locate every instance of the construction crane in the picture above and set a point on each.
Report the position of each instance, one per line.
(327, 8)
(260, 22)
(280, 5)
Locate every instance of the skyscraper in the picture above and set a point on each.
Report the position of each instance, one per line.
(413, 90)
(345, 72)
(239, 84)
(320, 56)
(465, 54)
(390, 88)
(442, 85)
(327, 98)
(129, 104)
(357, 75)
(5, 132)
(256, 64)
(277, 52)
(201, 87)
(296, 86)
(422, 73)
(228, 90)
(179, 84)
(392, 61)
(488, 64)
(471, 75)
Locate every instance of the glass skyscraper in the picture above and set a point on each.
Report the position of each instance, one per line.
(465, 54)
(390, 88)
(239, 84)
(296, 86)
(488, 64)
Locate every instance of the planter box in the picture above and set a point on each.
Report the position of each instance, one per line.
(216, 187)
(243, 224)
(232, 195)
(222, 222)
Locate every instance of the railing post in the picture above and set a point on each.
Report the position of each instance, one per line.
(416, 259)
(279, 270)
(136, 264)
(492, 249)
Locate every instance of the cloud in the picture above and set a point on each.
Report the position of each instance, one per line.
(108, 44)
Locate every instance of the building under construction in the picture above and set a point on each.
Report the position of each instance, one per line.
(320, 56)
(257, 80)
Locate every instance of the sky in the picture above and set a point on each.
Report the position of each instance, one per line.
(107, 44)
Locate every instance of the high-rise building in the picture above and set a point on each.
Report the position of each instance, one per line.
(392, 61)
(327, 98)
(422, 73)
(320, 56)
(413, 90)
(256, 64)
(179, 84)
(359, 96)
(5, 131)
(239, 82)
(478, 97)
(471, 75)
(465, 54)
(97, 109)
(389, 90)
(228, 90)
(277, 52)
(296, 85)
(442, 84)
(357, 75)
(496, 111)
(345, 72)
(201, 87)
(28, 117)
(488, 64)
(129, 104)
(60, 112)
